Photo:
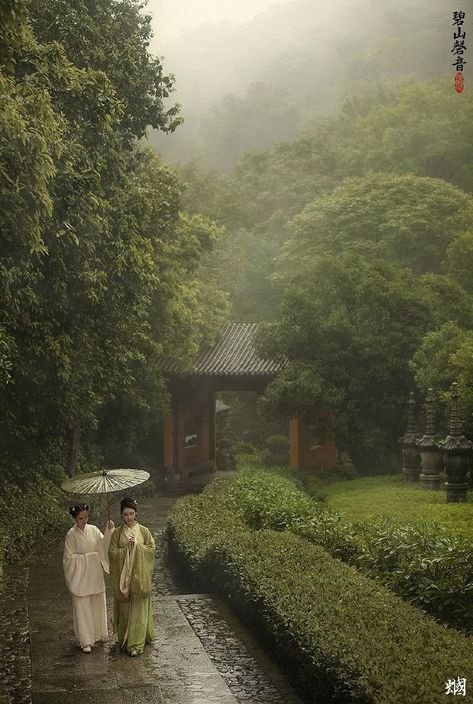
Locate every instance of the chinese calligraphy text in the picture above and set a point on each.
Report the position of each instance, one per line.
(459, 48)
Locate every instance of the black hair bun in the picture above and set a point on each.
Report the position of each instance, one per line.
(77, 508)
(128, 502)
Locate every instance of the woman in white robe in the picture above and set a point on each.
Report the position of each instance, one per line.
(85, 557)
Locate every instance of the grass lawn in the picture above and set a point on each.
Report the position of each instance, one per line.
(389, 496)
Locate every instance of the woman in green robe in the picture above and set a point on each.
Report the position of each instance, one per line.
(131, 556)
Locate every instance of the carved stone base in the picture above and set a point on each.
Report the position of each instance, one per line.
(456, 493)
(432, 466)
(411, 474)
(430, 482)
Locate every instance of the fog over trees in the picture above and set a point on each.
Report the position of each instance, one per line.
(250, 84)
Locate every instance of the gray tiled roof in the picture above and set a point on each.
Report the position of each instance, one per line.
(233, 355)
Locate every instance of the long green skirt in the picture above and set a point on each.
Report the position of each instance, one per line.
(133, 623)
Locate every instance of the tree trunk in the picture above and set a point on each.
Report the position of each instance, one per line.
(74, 443)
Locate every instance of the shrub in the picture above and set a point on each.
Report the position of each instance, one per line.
(276, 453)
(266, 500)
(343, 637)
(33, 510)
(246, 459)
(197, 525)
(317, 481)
(241, 447)
(431, 569)
(343, 469)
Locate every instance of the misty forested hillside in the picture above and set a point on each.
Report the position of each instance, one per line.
(407, 130)
(328, 140)
(247, 86)
(356, 239)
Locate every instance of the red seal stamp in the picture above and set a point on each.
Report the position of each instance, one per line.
(459, 82)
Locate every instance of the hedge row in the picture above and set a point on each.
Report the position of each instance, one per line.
(428, 567)
(28, 513)
(345, 638)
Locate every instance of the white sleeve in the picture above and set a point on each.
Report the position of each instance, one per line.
(82, 571)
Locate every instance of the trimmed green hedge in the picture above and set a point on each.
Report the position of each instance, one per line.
(426, 566)
(344, 637)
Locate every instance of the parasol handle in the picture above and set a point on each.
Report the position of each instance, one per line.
(104, 473)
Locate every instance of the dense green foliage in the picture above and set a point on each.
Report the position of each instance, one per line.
(407, 220)
(37, 508)
(112, 36)
(343, 637)
(363, 286)
(276, 452)
(354, 238)
(444, 356)
(99, 269)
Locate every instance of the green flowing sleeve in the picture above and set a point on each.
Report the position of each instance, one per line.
(116, 556)
(143, 565)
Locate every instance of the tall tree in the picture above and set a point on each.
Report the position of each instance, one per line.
(113, 36)
(348, 328)
(99, 266)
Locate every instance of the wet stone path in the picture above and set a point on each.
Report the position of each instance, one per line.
(202, 654)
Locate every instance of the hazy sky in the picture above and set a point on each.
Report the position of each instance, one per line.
(173, 17)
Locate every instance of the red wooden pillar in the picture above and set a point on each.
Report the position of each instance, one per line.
(168, 440)
(294, 443)
(306, 451)
(212, 442)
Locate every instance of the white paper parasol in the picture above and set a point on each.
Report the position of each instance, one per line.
(105, 481)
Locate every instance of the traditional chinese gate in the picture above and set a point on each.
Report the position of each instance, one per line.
(233, 364)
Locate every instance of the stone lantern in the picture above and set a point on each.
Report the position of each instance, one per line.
(431, 456)
(409, 450)
(456, 449)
